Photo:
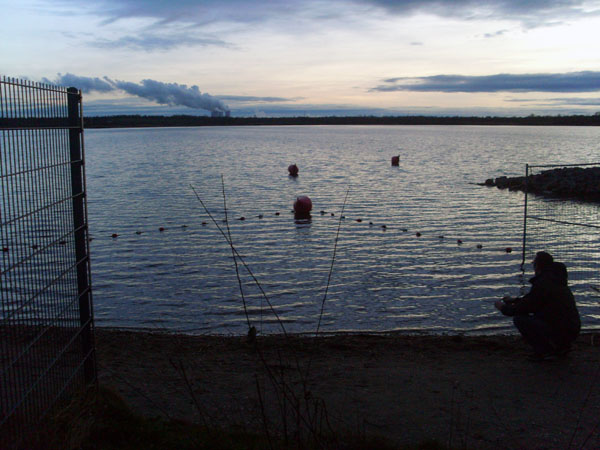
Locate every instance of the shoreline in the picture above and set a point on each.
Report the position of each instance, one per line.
(181, 120)
(508, 332)
(471, 391)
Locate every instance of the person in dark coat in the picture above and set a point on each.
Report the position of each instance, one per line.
(547, 315)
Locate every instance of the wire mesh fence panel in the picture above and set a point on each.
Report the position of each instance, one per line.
(46, 327)
(562, 217)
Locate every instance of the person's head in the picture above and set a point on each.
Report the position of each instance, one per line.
(541, 261)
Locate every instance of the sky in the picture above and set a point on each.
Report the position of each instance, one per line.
(311, 57)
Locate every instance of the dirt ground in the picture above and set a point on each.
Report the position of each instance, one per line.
(464, 392)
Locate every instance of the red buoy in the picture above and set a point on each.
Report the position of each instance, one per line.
(293, 170)
(302, 205)
(395, 160)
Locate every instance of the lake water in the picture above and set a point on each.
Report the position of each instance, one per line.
(184, 278)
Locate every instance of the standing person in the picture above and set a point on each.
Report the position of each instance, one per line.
(546, 316)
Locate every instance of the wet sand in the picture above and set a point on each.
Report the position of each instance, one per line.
(473, 392)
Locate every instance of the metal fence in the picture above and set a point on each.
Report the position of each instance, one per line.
(46, 319)
(562, 216)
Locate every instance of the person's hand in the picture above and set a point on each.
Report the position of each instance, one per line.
(499, 304)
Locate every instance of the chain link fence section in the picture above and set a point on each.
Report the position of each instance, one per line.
(562, 217)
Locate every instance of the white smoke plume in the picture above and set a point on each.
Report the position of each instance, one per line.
(164, 93)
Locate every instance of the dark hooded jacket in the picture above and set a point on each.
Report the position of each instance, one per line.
(551, 300)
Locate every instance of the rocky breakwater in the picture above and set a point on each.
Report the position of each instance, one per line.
(566, 182)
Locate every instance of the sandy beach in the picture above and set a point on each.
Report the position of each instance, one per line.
(467, 392)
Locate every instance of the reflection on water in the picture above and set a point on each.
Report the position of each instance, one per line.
(385, 276)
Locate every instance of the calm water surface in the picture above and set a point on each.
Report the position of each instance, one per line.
(184, 277)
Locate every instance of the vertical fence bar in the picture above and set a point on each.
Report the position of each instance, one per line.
(525, 216)
(80, 227)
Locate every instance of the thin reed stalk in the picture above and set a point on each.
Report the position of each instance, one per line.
(179, 368)
(237, 271)
(264, 294)
(137, 390)
(583, 406)
(337, 236)
(309, 412)
(264, 415)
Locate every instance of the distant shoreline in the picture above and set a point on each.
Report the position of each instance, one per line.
(139, 121)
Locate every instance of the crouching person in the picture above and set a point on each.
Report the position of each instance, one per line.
(546, 316)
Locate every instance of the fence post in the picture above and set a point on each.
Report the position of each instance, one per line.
(525, 215)
(80, 227)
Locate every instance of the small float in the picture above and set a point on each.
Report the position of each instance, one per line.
(395, 160)
(293, 170)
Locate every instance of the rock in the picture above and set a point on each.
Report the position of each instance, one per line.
(569, 182)
(501, 182)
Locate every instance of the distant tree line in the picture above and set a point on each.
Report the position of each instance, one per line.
(132, 121)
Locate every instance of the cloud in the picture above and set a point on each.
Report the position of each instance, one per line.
(196, 12)
(559, 101)
(151, 42)
(249, 98)
(530, 13)
(163, 93)
(543, 82)
(495, 34)
(172, 94)
(86, 84)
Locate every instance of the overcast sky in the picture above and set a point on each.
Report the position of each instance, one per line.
(277, 57)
